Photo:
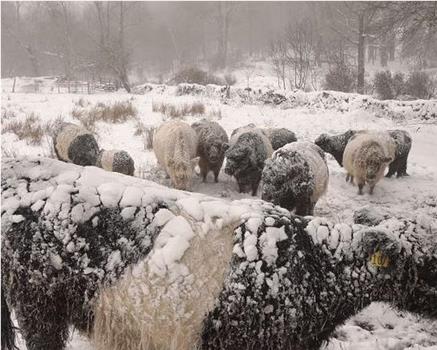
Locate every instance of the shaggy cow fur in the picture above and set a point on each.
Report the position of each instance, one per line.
(336, 144)
(286, 282)
(280, 137)
(117, 161)
(213, 143)
(403, 142)
(365, 158)
(75, 144)
(296, 177)
(175, 147)
(246, 157)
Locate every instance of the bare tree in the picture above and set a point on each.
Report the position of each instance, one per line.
(113, 54)
(300, 52)
(353, 22)
(278, 56)
(224, 13)
(16, 30)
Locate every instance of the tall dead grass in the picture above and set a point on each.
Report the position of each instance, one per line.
(116, 113)
(179, 111)
(31, 129)
(147, 134)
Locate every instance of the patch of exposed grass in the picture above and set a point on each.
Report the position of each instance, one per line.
(116, 113)
(31, 129)
(174, 111)
(147, 133)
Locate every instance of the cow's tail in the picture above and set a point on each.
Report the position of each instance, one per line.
(8, 328)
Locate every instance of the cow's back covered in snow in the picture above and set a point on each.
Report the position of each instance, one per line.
(296, 177)
(140, 266)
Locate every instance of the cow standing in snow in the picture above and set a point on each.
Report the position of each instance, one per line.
(365, 158)
(296, 177)
(213, 143)
(175, 147)
(245, 158)
(336, 144)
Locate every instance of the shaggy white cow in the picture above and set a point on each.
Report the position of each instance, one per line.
(366, 157)
(175, 147)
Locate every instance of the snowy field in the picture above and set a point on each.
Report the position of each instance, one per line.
(377, 327)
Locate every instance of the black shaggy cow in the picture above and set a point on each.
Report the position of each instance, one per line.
(71, 234)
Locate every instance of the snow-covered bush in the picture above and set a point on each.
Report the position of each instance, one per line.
(340, 77)
(230, 79)
(419, 85)
(190, 89)
(139, 266)
(398, 84)
(384, 85)
(195, 75)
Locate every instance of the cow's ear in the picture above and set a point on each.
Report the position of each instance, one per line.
(381, 247)
(225, 147)
(387, 160)
(194, 162)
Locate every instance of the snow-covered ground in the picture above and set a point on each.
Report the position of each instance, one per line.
(377, 327)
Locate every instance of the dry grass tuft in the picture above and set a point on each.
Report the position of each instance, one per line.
(173, 111)
(146, 132)
(215, 114)
(117, 113)
(31, 129)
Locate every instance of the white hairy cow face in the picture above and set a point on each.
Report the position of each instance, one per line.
(181, 173)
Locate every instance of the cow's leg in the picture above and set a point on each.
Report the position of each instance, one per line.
(402, 171)
(43, 320)
(360, 187)
(392, 168)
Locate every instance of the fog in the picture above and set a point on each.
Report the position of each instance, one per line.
(138, 40)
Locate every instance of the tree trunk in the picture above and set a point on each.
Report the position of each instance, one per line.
(225, 39)
(250, 19)
(392, 47)
(360, 81)
(122, 55)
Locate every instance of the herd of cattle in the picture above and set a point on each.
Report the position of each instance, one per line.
(294, 174)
